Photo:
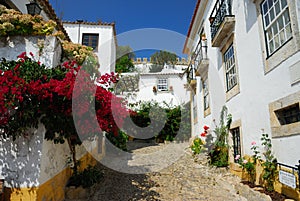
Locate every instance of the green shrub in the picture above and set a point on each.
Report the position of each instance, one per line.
(270, 164)
(218, 155)
(197, 146)
(174, 121)
(119, 141)
(87, 178)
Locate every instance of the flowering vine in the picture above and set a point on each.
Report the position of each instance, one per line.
(30, 92)
(13, 22)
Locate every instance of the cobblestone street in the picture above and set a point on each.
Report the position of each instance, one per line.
(188, 178)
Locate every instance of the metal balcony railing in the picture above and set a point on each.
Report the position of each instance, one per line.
(200, 52)
(221, 9)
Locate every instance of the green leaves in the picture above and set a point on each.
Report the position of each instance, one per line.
(197, 146)
(270, 164)
(124, 65)
(87, 178)
(218, 156)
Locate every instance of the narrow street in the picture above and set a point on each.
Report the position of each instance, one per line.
(188, 178)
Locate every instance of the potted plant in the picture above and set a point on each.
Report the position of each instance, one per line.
(154, 90)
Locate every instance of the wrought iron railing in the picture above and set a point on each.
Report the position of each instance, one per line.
(200, 52)
(197, 56)
(221, 9)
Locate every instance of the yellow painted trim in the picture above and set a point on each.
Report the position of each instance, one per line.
(20, 194)
(285, 190)
(53, 189)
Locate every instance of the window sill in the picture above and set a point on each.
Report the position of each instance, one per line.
(286, 130)
(277, 129)
(232, 92)
(195, 120)
(207, 112)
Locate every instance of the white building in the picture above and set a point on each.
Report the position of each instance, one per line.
(98, 35)
(143, 65)
(252, 66)
(166, 87)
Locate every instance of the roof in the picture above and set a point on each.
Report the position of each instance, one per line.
(191, 25)
(90, 23)
(48, 9)
(99, 23)
(174, 72)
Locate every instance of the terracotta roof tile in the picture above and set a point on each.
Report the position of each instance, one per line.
(90, 23)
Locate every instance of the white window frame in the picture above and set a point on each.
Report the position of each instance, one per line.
(276, 24)
(162, 84)
(230, 68)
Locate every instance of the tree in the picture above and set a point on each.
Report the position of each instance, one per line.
(124, 65)
(159, 58)
(125, 51)
(124, 56)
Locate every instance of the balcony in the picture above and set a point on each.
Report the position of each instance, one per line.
(200, 59)
(221, 22)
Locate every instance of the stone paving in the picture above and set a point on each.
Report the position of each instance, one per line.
(189, 178)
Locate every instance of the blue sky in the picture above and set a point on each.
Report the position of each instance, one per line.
(168, 16)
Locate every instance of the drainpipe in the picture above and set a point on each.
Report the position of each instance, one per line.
(79, 22)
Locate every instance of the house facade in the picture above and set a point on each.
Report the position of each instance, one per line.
(143, 65)
(31, 167)
(166, 87)
(98, 35)
(245, 55)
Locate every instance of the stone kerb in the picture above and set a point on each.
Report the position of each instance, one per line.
(46, 49)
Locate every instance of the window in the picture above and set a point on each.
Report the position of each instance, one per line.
(236, 142)
(195, 115)
(205, 95)
(289, 115)
(162, 85)
(90, 40)
(277, 24)
(285, 116)
(230, 68)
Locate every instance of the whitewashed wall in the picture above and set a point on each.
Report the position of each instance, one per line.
(257, 88)
(31, 160)
(106, 45)
(20, 160)
(46, 49)
(179, 95)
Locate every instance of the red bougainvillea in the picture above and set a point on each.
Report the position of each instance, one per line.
(30, 92)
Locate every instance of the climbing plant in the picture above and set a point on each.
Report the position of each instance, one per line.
(30, 92)
(13, 22)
